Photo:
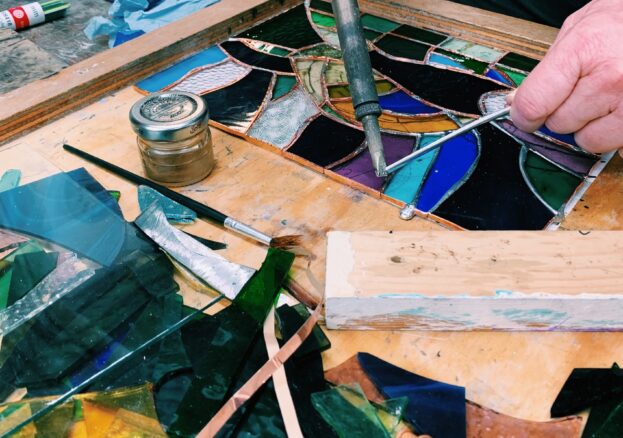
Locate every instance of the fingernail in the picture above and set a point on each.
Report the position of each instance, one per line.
(510, 97)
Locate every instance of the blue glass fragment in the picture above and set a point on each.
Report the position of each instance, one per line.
(435, 58)
(435, 408)
(565, 138)
(494, 74)
(10, 179)
(401, 102)
(454, 163)
(176, 72)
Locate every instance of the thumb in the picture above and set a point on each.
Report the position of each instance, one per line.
(547, 87)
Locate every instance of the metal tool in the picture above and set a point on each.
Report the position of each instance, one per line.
(462, 130)
(360, 78)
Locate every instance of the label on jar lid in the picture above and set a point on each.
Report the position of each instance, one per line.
(168, 108)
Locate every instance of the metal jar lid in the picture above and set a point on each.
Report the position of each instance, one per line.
(169, 116)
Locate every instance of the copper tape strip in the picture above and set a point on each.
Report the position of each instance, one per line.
(260, 377)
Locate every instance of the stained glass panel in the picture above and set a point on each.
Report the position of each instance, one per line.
(283, 83)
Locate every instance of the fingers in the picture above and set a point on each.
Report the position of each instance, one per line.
(547, 87)
(602, 135)
(592, 98)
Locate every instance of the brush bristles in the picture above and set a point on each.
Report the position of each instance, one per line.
(286, 242)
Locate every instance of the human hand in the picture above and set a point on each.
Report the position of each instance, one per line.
(578, 87)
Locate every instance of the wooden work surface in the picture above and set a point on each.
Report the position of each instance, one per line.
(516, 373)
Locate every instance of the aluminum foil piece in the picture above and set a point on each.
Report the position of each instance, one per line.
(217, 272)
(66, 277)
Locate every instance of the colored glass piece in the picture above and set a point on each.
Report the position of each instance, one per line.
(577, 162)
(402, 103)
(496, 196)
(434, 408)
(472, 50)
(10, 179)
(254, 58)
(477, 67)
(338, 91)
(175, 212)
(377, 23)
(371, 34)
(210, 78)
(321, 6)
(448, 89)
(177, 71)
(329, 36)
(7, 272)
(426, 36)
(600, 415)
(360, 168)
(82, 177)
(586, 387)
(435, 58)
(403, 48)
(325, 142)
(407, 181)
(290, 29)
(520, 62)
(58, 209)
(565, 138)
(238, 326)
(283, 85)
(335, 73)
(321, 50)
(269, 48)
(350, 372)
(28, 271)
(283, 119)
(496, 75)
(517, 78)
(310, 74)
(243, 98)
(323, 20)
(454, 164)
(401, 123)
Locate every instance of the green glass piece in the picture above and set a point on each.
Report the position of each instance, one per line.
(349, 413)
(599, 414)
(553, 184)
(116, 194)
(338, 91)
(283, 85)
(470, 63)
(371, 34)
(5, 278)
(323, 20)
(321, 6)
(403, 48)
(310, 74)
(377, 23)
(516, 77)
(520, 62)
(472, 50)
(290, 319)
(390, 412)
(279, 51)
(416, 33)
(238, 326)
(331, 111)
(10, 179)
(321, 50)
(28, 271)
(613, 425)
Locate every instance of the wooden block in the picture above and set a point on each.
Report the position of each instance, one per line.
(475, 280)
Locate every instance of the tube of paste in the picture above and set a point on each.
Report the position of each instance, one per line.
(32, 14)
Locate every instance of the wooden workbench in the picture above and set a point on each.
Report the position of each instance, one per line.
(516, 373)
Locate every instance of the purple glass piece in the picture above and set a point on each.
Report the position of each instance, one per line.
(360, 168)
(567, 158)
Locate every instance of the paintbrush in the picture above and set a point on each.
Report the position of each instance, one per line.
(202, 210)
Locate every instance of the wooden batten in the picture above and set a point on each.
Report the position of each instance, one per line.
(475, 280)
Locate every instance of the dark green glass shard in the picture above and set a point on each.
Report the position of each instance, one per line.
(371, 34)
(323, 20)
(377, 23)
(519, 62)
(321, 50)
(552, 183)
(470, 63)
(403, 48)
(426, 36)
(283, 85)
(290, 319)
(290, 29)
(28, 271)
(116, 194)
(238, 326)
(516, 77)
(321, 6)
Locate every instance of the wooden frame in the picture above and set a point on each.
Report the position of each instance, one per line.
(39, 102)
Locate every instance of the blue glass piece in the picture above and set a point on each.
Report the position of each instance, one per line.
(10, 179)
(86, 181)
(58, 209)
(435, 58)
(407, 181)
(125, 36)
(176, 72)
(401, 102)
(176, 213)
(435, 408)
(565, 138)
(494, 74)
(455, 161)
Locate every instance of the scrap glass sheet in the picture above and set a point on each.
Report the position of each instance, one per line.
(282, 84)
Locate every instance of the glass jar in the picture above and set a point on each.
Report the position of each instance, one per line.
(173, 137)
